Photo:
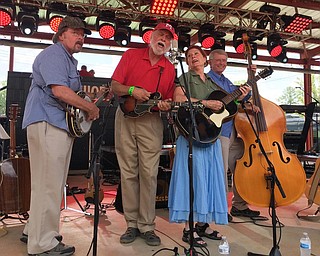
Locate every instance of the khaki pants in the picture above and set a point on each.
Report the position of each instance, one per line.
(232, 149)
(50, 152)
(138, 143)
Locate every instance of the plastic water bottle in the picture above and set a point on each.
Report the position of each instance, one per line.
(224, 246)
(305, 245)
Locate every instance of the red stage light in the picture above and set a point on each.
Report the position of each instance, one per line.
(54, 22)
(106, 30)
(5, 17)
(276, 51)
(296, 24)
(146, 35)
(163, 7)
(206, 35)
(240, 48)
(207, 42)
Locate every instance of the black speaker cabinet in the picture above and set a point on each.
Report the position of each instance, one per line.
(163, 182)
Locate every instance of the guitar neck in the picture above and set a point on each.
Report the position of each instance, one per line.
(12, 148)
(172, 103)
(237, 93)
(100, 99)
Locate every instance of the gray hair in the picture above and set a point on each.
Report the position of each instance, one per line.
(218, 51)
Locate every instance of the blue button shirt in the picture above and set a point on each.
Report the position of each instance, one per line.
(229, 87)
(53, 66)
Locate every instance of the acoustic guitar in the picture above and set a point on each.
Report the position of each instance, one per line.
(209, 122)
(15, 191)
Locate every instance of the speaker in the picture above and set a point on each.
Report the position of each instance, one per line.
(163, 182)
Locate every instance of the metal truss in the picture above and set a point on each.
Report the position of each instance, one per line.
(188, 12)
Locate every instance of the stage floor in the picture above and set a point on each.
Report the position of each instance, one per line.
(244, 235)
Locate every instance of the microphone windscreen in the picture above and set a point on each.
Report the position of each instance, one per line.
(174, 45)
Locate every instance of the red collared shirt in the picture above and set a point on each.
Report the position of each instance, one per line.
(135, 69)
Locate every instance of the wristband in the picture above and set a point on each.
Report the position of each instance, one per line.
(130, 91)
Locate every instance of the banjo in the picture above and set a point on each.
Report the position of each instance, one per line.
(76, 118)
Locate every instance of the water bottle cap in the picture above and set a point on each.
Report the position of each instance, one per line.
(305, 233)
(223, 237)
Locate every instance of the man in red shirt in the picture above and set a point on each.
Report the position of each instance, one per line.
(138, 141)
(84, 71)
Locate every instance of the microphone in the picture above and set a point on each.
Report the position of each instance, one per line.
(310, 95)
(174, 53)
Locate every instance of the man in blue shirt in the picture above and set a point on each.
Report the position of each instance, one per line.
(55, 80)
(232, 147)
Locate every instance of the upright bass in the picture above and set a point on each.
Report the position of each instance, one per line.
(253, 172)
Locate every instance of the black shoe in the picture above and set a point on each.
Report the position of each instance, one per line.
(229, 218)
(24, 238)
(151, 238)
(129, 236)
(60, 250)
(244, 213)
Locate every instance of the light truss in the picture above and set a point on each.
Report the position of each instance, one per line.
(194, 13)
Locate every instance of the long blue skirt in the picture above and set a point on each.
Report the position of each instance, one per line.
(210, 203)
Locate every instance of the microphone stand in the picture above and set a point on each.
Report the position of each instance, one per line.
(316, 121)
(271, 180)
(94, 170)
(192, 127)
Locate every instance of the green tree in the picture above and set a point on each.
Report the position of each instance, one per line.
(3, 97)
(291, 96)
(294, 95)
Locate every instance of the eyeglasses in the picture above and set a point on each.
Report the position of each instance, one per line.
(77, 34)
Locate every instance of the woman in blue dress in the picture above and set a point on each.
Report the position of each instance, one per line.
(210, 203)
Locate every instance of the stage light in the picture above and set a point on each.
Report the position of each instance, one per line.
(238, 41)
(106, 30)
(265, 20)
(28, 19)
(254, 51)
(122, 35)
(146, 27)
(5, 17)
(219, 41)
(282, 57)
(184, 37)
(239, 45)
(276, 48)
(55, 14)
(163, 7)
(7, 13)
(296, 23)
(54, 22)
(206, 35)
(105, 24)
